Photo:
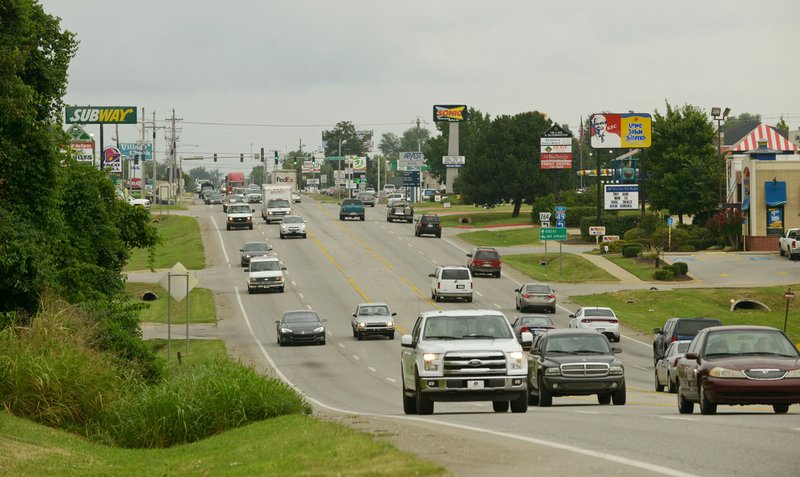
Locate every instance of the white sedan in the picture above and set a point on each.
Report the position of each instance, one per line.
(597, 318)
(142, 202)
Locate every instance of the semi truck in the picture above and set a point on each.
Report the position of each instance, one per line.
(276, 202)
(232, 181)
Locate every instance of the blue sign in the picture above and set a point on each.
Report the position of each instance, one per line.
(130, 149)
(669, 221)
(561, 208)
(560, 223)
(410, 178)
(561, 216)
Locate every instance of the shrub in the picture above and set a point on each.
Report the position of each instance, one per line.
(631, 250)
(664, 273)
(680, 268)
(197, 402)
(686, 248)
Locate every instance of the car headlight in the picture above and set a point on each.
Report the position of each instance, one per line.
(430, 361)
(285, 330)
(279, 279)
(319, 329)
(554, 371)
(616, 369)
(726, 373)
(390, 323)
(515, 359)
(794, 373)
(362, 325)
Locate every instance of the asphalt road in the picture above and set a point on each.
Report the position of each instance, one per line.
(344, 263)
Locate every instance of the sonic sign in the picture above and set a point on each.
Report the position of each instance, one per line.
(449, 113)
(101, 114)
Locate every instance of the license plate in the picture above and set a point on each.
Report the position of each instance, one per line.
(475, 384)
(600, 329)
(460, 286)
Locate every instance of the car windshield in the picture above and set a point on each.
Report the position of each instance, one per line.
(427, 219)
(255, 247)
(238, 209)
(749, 342)
(535, 288)
(691, 327)
(374, 310)
(598, 312)
(466, 327)
(455, 274)
(292, 220)
(593, 344)
(265, 266)
(536, 321)
(301, 317)
(278, 203)
(486, 255)
(351, 202)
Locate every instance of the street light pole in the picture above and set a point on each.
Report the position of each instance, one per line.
(720, 116)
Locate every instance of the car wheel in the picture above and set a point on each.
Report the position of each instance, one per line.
(416, 233)
(251, 226)
(706, 407)
(604, 398)
(281, 342)
(552, 310)
(439, 235)
(619, 396)
(391, 335)
(684, 406)
(497, 275)
(304, 235)
(359, 336)
(409, 402)
(780, 408)
(672, 385)
(516, 305)
(228, 227)
(282, 237)
(355, 335)
(341, 217)
(659, 386)
(533, 399)
(469, 299)
(437, 298)
(388, 219)
(424, 403)
(521, 403)
(780, 250)
(500, 406)
(249, 290)
(322, 343)
(362, 218)
(545, 397)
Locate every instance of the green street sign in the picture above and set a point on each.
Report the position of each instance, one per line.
(552, 233)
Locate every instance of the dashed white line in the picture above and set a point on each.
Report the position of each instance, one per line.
(391, 380)
(371, 369)
(479, 293)
(308, 306)
(498, 306)
(433, 261)
(299, 294)
(294, 284)
(676, 418)
(586, 412)
(341, 345)
(419, 251)
(410, 244)
(355, 357)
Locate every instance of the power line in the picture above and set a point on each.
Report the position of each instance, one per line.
(201, 123)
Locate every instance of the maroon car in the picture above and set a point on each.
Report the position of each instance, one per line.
(739, 365)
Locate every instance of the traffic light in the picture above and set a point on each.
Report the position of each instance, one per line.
(215, 157)
(136, 160)
(262, 155)
(241, 157)
(276, 158)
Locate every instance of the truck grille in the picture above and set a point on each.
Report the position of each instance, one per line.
(584, 369)
(462, 363)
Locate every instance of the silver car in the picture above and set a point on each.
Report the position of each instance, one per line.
(293, 225)
(535, 295)
(665, 375)
(373, 319)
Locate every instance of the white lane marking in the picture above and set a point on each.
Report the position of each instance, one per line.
(796, 429)
(479, 293)
(498, 306)
(299, 294)
(356, 358)
(371, 369)
(219, 234)
(433, 261)
(532, 440)
(410, 244)
(308, 306)
(586, 412)
(341, 345)
(419, 251)
(294, 284)
(455, 245)
(676, 418)
(641, 368)
(329, 333)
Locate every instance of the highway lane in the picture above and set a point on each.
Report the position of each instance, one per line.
(343, 263)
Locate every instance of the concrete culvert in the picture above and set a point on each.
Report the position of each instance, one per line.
(748, 305)
(149, 296)
(465, 220)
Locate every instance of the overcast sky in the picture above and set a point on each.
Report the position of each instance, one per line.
(286, 70)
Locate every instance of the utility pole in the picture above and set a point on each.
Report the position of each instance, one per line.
(143, 184)
(155, 170)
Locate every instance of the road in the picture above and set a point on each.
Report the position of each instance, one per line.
(344, 263)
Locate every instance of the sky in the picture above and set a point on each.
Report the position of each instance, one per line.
(247, 74)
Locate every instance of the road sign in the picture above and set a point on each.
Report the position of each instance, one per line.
(175, 281)
(560, 223)
(544, 217)
(610, 238)
(545, 224)
(788, 295)
(561, 209)
(597, 230)
(411, 159)
(410, 178)
(669, 221)
(551, 233)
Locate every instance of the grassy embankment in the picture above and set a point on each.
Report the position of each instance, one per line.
(180, 242)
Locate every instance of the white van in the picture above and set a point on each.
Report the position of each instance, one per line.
(388, 189)
(451, 281)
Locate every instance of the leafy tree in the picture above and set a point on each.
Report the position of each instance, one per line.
(505, 164)
(685, 170)
(389, 145)
(469, 138)
(727, 225)
(731, 121)
(782, 126)
(414, 139)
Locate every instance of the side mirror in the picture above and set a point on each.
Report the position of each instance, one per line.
(252, 210)
(572, 315)
(246, 269)
(283, 268)
(324, 320)
(692, 356)
(394, 314)
(241, 250)
(516, 290)
(616, 350)
(657, 331)
(469, 255)
(277, 322)
(269, 248)
(431, 275)
(354, 315)
(406, 341)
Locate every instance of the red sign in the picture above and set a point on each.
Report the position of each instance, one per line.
(550, 160)
(788, 295)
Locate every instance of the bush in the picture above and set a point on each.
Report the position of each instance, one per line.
(664, 273)
(632, 250)
(197, 402)
(680, 268)
(686, 248)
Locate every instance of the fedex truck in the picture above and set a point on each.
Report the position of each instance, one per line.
(287, 177)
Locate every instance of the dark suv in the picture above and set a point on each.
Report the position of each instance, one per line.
(676, 329)
(428, 224)
(484, 260)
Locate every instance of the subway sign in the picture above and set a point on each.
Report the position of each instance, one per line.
(450, 113)
(101, 114)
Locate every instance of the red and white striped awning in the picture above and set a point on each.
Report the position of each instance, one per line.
(762, 131)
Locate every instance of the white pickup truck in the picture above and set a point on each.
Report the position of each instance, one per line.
(464, 355)
(789, 244)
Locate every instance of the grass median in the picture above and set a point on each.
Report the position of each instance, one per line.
(483, 219)
(179, 242)
(555, 267)
(502, 238)
(201, 304)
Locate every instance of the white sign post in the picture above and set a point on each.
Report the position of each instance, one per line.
(596, 231)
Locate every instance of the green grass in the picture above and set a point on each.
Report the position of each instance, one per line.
(201, 304)
(644, 310)
(438, 207)
(502, 238)
(325, 199)
(482, 219)
(642, 267)
(199, 350)
(180, 242)
(573, 269)
(287, 445)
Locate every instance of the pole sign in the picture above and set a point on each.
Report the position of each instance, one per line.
(621, 197)
(410, 159)
(544, 217)
(453, 161)
(615, 131)
(450, 113)
(610, 238)
(561, 216)
(130, 149)
(100, 114)
(410, 178)
(552, 233)
(555, 150)
(596, 230)
(112, 159)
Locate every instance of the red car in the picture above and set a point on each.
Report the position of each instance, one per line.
(739, 365)
(484, 260)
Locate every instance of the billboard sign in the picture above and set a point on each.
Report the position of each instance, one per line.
(359, 163)
(454, 161)
(555, 149)
(100, 114)
(112, 159)
(615, 131)
(621, 197)
(82, 151)
(130, 149)
(411, 159)
(595, 230)
(410, 178)
(449, 113)
(552, 233)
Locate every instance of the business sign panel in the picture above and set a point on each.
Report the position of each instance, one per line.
(449, 113)
(555, 149)
(112, 159)
(610, 238)
(555, 161)
(359, 164)
(621, 197)
(100, 114)
(454, 161)
(312, 181)
(615, 131)
(595, 230)
(410, 178)
(411, 159)
(82, 151)
(130, 149)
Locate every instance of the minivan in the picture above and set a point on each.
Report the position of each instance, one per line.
(451, 281)
(676, 329)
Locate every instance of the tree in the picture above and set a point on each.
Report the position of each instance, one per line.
(389, 145)
(469, 137)
(505, 164)
(782, 126)
(732, 121)
(727, 226)
(414, 139)
(685, 170)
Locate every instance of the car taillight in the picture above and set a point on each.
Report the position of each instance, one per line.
(674, 338)
(525, 295)
(551, 296)
(524, 329)
(586, 321)
(438, 285)
(675, 363)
